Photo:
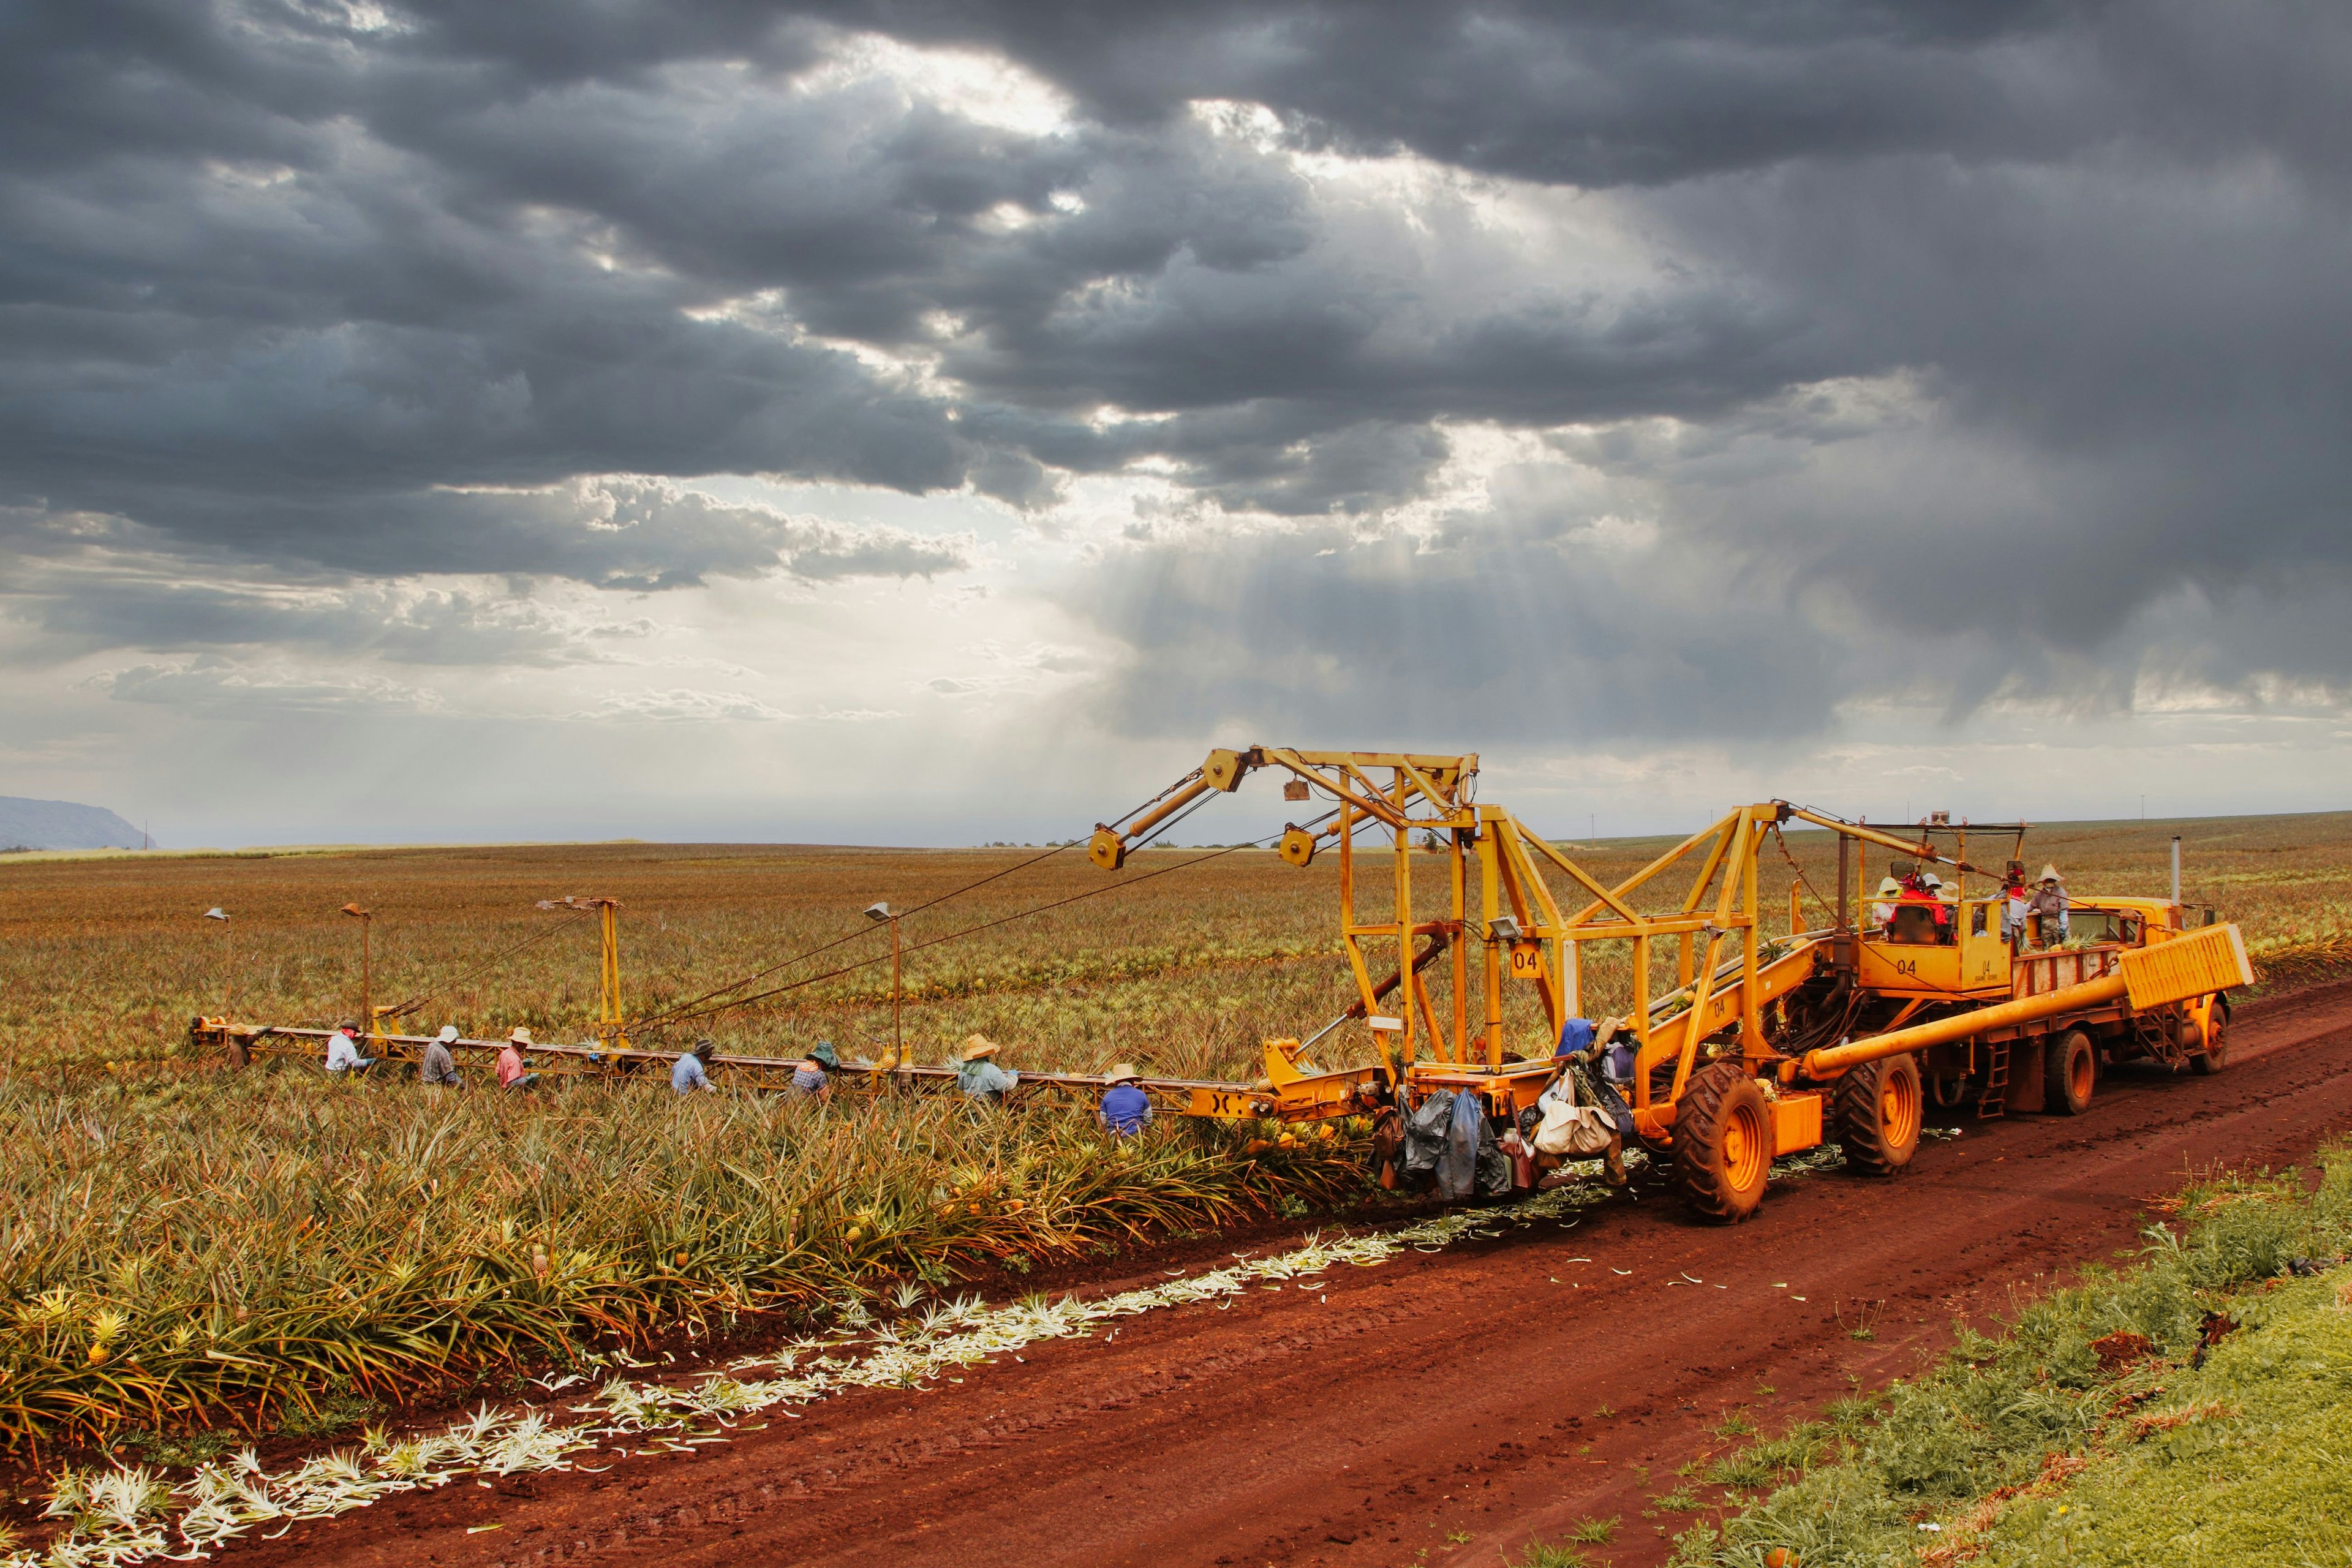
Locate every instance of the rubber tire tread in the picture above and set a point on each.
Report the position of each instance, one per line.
(1698, 1119)
(1854, 1111)
(2056, 1099)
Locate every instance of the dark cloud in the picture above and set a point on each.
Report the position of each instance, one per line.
(343, 292)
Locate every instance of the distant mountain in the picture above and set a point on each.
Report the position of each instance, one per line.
(61, 825)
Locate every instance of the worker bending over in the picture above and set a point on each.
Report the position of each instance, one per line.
(343, 1050)
(1126, 1109)
(687, 1073)
(980, 1079)
(812, 1078)
(512, 1073)
(440, 1069)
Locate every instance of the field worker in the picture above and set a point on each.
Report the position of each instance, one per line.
(2048, 906)
(440, 1068)
(1126, 1109)
(981, 1079)
(512, 1074)
(687, 1073)
(343, 1050)
(811, 1079)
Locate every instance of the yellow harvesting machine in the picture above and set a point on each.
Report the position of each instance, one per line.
(1765, 1044)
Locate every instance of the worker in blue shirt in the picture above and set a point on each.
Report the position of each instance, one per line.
(1126, 1109)
(686, 1075)
(981, 1080)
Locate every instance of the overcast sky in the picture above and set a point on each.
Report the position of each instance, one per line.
(927, 422)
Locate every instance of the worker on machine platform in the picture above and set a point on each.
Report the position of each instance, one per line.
(1882, 907)
(1920, 915)
(1126, 1109)
(2047, 908)
(981, 1080)
(2012, 905)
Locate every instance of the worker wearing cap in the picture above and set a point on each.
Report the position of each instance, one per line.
(812, 1078)
(2048, 906)
(687, 1073)
(440, 1069)
(1126, 1109)
(512, 1073)
(343, 1050)
(981, 1079)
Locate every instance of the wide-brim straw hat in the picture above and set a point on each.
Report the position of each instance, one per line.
(521, 1036)
(978, 1045)
(1889, 885)
(1121, 1072)
(2049, 874)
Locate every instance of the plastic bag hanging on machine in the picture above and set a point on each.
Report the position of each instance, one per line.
(1493, 1165)
(1424, 1136)
(1457, 1167)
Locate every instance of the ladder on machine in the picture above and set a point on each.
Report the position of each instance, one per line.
(1995, 1097)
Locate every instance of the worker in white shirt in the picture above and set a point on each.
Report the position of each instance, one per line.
(343, 1050)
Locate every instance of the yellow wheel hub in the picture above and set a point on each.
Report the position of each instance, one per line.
(1747, 1149)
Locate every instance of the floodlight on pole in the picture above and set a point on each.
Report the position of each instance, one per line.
(883, 911)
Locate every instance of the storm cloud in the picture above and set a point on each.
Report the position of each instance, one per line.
(1617, 374)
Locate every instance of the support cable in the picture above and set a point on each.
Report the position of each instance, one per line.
(415, 1002)
(710, 1001)
(683, 1015)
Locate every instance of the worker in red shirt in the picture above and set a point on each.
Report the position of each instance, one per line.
(512, 1073)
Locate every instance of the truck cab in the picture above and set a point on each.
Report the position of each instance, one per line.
(1916, 953)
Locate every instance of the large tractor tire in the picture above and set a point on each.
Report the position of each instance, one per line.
(2216, 1053)
(1723, 1143)
(2070, 1071)
(1878, 1110)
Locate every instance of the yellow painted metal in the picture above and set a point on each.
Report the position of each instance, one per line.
(1832, 1060)
(2177, 968)
(2174, 968)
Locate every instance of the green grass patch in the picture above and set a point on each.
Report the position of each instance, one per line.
(2192, 1408)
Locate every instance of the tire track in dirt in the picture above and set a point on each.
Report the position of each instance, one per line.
(1496, 1391)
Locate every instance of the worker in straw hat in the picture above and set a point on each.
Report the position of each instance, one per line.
(440, 1069)
(1125, 1110)
(979, 1076)
(1882, 907)
(512, 1073)
(2048, 906)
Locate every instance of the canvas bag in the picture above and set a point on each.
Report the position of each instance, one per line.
(1568, 1127)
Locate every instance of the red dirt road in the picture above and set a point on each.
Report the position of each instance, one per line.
(1448, 1402)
